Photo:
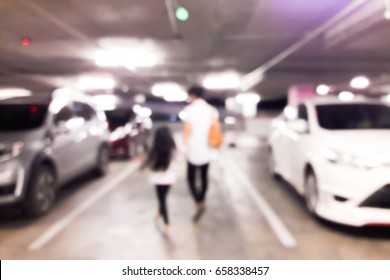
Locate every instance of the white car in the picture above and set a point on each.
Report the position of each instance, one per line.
(337, 156)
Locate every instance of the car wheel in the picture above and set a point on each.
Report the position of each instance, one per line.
(103, 159)
(129, 153)
(271, 164)
(311, 193)
(41, 194)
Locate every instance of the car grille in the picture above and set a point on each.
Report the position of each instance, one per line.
(7, 190)
(379, 199)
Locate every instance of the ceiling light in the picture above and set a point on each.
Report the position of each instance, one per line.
(248, 98)
(145, 112)
(105, 99)
(129, 59)
(386, 98)
(182, 14)
(14, 92)
(360, 82)
(227, 80)
(91, 83)
(171, 92)
(323, 89)
(346, 95)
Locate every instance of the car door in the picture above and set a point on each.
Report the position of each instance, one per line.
(63, 143)
(85, 140)
(296, 145)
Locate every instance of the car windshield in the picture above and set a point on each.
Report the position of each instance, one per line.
(15, 117)
(353, 116)
(119, 117)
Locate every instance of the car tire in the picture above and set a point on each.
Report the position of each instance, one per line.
(311, 193)
(41, 193)
(129, 153)
(102, 161)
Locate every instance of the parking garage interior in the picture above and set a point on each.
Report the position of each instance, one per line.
(116, 71)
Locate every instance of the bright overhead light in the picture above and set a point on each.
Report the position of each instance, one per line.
(323, 89)
(248, 98)
(360, 82)
(171, 92)
(95, 83)
(227, 80)
(105, 101)
(129, 59)
(346, 95)
(14, 92)
(386, 98)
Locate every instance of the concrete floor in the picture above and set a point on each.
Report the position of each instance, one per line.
(112, 218)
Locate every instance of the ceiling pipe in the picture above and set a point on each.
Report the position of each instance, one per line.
(172, 18)
(255, 77)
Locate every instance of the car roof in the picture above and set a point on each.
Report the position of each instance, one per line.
(332, 100)
(27, 100)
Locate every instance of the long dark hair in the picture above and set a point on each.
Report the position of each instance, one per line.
(162, 150)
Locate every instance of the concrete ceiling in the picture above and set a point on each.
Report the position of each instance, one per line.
(220, 35)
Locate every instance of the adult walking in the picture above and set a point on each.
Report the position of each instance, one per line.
(199, 118)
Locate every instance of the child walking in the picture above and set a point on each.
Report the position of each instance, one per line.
(159, 161)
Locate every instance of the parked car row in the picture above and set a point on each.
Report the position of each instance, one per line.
(48, 141)
(336, 154)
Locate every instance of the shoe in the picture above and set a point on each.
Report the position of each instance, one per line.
(199, 214)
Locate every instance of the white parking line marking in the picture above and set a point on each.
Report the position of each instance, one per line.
(280, 229)
(60, 225)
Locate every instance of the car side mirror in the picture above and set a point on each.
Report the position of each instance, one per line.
(299, 126)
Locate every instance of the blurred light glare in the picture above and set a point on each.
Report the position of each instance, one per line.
(182, 14)
(171, 92)
(105, 101)
(129, 59)
(346, 95)
(323, 89)
(360, 82)
(90, 83)
(230, 120)
(176, 97)
(245, 98)
(137, 108)
(387, 15)
(291, 112)
(229, 80)
(14, 92)
(385, 98)
(140, 98)
(145, 112)
(182, 115)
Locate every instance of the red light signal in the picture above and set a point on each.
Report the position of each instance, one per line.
(26, 41)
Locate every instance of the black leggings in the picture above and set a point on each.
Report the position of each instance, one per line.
(199, 196)
(162, 192)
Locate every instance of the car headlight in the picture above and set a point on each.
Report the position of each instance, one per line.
(11, 151)
(352, 160)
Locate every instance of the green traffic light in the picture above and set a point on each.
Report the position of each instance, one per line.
(182, 14)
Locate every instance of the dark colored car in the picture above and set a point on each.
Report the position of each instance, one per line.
(128, 133)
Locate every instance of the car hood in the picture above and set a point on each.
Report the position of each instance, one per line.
(366, 143)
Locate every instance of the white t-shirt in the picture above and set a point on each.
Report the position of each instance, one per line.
(201, 116)
(167, 177)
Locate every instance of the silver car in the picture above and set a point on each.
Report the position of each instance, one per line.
(45, 142)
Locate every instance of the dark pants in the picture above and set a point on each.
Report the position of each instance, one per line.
(162, 192)
(199, 195)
